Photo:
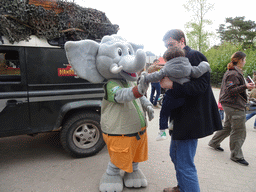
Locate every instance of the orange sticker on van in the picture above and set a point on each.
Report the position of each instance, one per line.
(66, 71)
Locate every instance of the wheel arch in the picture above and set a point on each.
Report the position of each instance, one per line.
(72, 108)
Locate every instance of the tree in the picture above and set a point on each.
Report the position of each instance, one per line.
(197, 37)
(238, 31)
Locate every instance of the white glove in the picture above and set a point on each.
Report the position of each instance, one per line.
(150, 112)
(143, 85)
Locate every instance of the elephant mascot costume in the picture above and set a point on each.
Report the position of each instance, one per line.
(123, 110)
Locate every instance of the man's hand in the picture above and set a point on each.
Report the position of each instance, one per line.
(166, 83)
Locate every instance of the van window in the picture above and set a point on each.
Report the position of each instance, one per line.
(9, 66)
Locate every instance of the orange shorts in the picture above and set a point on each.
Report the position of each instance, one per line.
(124, 150)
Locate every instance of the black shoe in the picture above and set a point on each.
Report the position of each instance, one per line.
(241, 161)
(219, 149)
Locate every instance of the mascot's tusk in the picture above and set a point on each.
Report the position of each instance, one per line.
(114, 68)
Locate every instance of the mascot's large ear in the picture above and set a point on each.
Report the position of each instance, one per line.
(82, 57)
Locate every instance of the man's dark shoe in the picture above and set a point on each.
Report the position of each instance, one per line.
(241, 161)
(219, 149)
(174, 189)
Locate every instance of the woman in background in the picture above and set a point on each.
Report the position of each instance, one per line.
(233, 99)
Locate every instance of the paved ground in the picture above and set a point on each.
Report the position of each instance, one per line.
(40, 164)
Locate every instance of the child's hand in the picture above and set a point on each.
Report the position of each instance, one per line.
(166, 83)
(144, 73)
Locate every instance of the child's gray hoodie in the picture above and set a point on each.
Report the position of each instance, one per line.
(179, 70)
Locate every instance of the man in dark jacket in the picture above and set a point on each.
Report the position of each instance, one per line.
(197, 118)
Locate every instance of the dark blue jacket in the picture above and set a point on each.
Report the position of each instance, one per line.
(199, 116)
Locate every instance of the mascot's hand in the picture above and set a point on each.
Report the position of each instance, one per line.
(150, 112)
(143, 85)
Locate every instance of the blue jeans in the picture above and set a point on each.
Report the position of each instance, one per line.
(221, 114)
(249, 116)
(155, 87)
(182, 153)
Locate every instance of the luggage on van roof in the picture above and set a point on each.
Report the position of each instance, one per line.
(59, 21)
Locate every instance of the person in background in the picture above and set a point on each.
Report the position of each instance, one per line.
(233, 98)
(221, 111)
(198, 117)
(155, 87)
(249, 116)
(252, 97)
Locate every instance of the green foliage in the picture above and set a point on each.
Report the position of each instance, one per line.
(220, 56)
(250, 65)
(197, 37)
(238, 31)
(237, 35)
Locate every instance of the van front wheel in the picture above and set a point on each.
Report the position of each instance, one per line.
(81, 135)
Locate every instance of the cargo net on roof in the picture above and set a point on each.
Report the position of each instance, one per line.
(19, 20)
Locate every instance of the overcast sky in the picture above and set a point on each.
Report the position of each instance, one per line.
(145, 22)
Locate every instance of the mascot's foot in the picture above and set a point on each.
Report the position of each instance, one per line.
(109, 183)
(135, 179)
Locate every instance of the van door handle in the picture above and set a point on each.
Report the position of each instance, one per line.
(13, 102)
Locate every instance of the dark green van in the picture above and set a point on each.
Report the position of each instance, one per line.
(39, 92)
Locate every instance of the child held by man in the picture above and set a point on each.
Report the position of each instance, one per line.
(177, 69)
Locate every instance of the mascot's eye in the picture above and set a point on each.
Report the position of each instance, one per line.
(129, 51)
(120, 52)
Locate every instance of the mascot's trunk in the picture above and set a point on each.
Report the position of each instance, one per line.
(134, 64)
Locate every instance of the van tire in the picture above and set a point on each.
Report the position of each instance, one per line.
(81, 135)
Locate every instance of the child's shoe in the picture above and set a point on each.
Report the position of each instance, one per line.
(161, 136)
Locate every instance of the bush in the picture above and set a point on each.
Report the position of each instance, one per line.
(219, 56)
(250, 65)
